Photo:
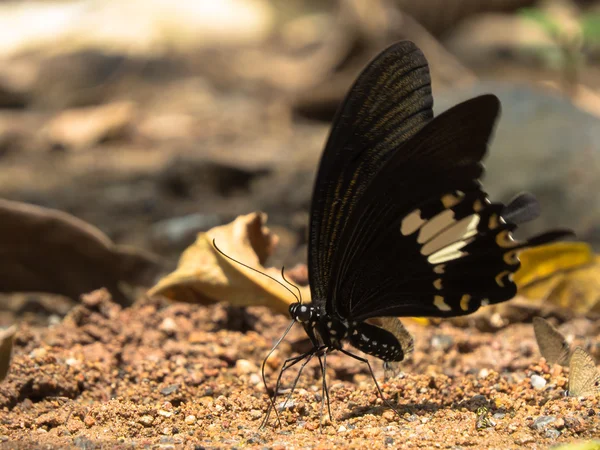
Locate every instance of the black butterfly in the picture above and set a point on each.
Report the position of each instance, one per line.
(400, 224)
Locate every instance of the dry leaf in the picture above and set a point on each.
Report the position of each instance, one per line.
(46, 250)
(6, 344)
(204, 275)
(565, 274)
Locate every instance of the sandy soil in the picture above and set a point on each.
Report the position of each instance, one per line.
(160, 375)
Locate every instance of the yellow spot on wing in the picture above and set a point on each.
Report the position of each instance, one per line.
(464, 302)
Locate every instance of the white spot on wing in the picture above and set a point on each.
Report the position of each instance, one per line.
(459, 231)
(448, 253)
(411, 223)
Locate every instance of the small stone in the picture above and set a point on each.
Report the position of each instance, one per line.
(542, 422)
(168, 325)
(164, 413)
(167, 431)
(191, 419)
(255, 414)
(524, 439)
(552, 433)
(342, 429)
(389, 415)
(244, 367)
(441, 342)
(146, 420)
(255, 379)
(483, 373)
(499, 415)
(89, 421)
(389, 441)
(169, 389)
(537, 382)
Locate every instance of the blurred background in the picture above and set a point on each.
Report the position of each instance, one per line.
(154, 119)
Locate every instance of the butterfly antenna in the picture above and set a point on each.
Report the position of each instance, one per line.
(291, 284)
(255, 270)
(262, 371)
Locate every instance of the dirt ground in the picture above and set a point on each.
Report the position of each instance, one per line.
(159, 375)
(207, 136)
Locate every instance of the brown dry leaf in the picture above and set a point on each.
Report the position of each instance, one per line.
(6, 344)
(46, 250)
(204, 275)
(564, 274)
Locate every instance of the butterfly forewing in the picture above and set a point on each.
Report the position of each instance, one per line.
(553, 345)
(584, 378)
(389, 102)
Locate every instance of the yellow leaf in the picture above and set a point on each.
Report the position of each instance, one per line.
(203, 275)
(564, 274)
(544, 261)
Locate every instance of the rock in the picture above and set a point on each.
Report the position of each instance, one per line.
(487, 36)
(179, 232)
(542, 422)
(168, 325)
(81, 128)
(244, 367)
(146, 420)
(255, 414)
(552, 433)
(545, 145)
(169, 389)
(537, 382)
(442, 342)
(191, 419)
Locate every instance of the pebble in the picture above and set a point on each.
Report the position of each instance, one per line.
(542, 421)
(441, 342)
(190, 420)
(146, 420)
(342, 429)
(524, 439)
(89, 421)
(255, 414)
(537, 382)
(552, 433)
(483, 373)
(243, 367)
(164, 413)
(169, 389)
(255, 379)
(168, 325)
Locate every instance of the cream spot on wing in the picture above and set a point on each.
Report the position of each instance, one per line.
(477, 205)
(459, 231)
(505, 239)
(500, 276)
(464, 302)
(448, 254)
(511, 257)
(411, 223)
(439, 268)
(449, 200)
(441, 304)
(493, 223)
(438, 284)
(434, 225)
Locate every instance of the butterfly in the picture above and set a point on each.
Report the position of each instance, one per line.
(399, 223)
(584, 378)
(553, 345)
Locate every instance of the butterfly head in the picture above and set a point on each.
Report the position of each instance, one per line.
(302, 313)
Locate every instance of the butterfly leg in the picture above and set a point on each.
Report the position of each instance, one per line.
(326, 390)
(366, 361)
(288, 363)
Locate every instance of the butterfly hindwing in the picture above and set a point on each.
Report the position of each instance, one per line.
(553, 345)
(389, 103)
(584, 378)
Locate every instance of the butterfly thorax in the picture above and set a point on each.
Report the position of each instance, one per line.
(330, 332)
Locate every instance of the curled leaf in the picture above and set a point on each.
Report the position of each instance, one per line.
(46, 250)
(204, 275)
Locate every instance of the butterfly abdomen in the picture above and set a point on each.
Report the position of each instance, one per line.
(376, 342)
